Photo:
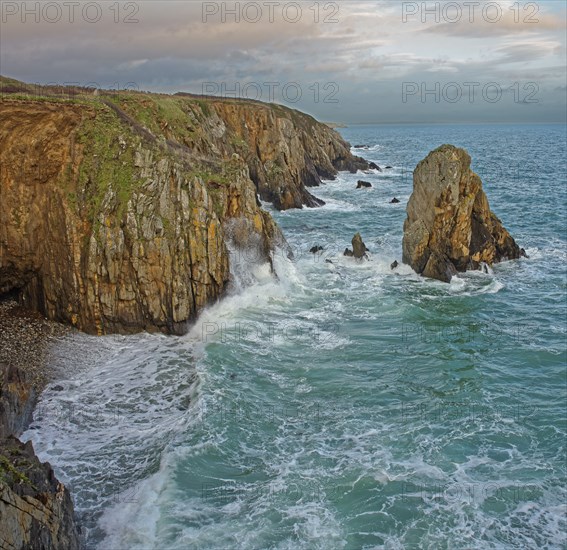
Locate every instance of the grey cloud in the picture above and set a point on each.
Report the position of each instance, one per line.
(507, 26)
(370, 53)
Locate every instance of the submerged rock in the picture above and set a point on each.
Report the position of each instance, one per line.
(449, 226)
(363, 184)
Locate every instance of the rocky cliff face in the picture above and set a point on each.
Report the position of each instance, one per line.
(118, 211)
(36, 511)
(17, 401)
(449, 226)
(286, 151)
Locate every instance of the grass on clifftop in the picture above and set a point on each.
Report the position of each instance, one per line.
(173, 117)
(107, 168)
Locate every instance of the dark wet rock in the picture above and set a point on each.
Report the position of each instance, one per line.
(348, 252)
(363, 184)
(349, 163)
(394, 264)
(36, 511)
(316, 249)
(374, 166)
(394, 201)
(35, 508)
(17, 401)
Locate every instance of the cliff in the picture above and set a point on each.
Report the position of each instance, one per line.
(450, 227)
(118, 211)
(36, 511)
(17, 401)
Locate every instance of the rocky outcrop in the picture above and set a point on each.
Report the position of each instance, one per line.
(292, 152)
(449, 226)
(286, 151)
(36, 511)
(363, 184)
(359, 249)
(17, 401)
(119, 212)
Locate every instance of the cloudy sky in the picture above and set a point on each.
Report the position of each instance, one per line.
(346, 61)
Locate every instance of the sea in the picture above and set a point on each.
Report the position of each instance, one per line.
(341, 404)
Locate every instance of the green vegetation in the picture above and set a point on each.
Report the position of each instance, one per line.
(274, 171)
(238, 142)
(204, 107)
(9, 474)
(171, 126)
(107, 169)
(174, 117)
(210, 178)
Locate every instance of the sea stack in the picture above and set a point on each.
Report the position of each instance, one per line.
(359, 249)
(449, 226)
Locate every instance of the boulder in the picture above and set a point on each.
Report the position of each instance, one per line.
(449, 226)
(316, 249)
(374, 166)
(363, 184)
(358, 247)
(348, 252)
(394, 201)
(394, 264)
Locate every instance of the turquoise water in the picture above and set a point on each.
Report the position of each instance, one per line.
(344, 405)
